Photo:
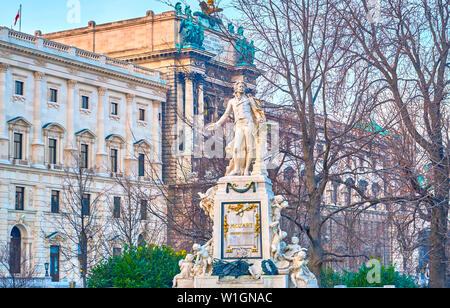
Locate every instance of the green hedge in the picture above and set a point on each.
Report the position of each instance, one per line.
(147, 266)
(388, 275)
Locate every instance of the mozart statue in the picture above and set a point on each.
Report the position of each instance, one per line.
(248, 120)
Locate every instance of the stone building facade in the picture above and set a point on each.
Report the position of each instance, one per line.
(57, 101)
(200, 73)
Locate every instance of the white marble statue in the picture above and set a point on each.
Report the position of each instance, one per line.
(278, 204)
(248, 120)
(207, 201)
(186, 267)
(288, 251)
(277, 245)
(203, 259)
(299, 273)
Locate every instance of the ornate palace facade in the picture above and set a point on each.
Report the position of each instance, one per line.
(59, 103)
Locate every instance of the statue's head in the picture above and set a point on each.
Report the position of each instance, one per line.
(283, 235)
(189, 257)
(196, 247)
(295, 240)
(240, 87)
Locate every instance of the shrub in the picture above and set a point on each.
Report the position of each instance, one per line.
(388, 275)
(146, 266)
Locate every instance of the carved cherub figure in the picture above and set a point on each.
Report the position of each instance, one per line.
(300, 274)
(207, 201)
(278, 204)
(292, 248)
(277, 245)
(203, 259)
(186, 267)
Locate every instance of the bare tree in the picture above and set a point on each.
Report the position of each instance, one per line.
(408, 45)
(130, 216)
(326, 94)
(80, 221)
(18, 273)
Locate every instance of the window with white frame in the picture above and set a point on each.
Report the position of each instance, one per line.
(142, 150)
(53, 139)
(86, 142)
(53, 95)
(116, 146)
(142, 116)
(114, 108)
(85, 102)
(19, 130)
(19, 88)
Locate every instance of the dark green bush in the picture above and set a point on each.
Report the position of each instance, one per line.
(147, 266)
(388, 275)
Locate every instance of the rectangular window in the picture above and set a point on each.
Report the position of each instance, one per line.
(53, 93)
(18, 146)
(114, 109)
(114, 160)
(86, 205)
(55, 201)
(141, 114)
(141, 162)
(85, 102)
(20, 198)
(54, 263)
(52, 151)
(116, 207)
(143, 209)
(84, 156)
(18, 88)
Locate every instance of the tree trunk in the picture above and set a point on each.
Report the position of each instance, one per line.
(439, 227)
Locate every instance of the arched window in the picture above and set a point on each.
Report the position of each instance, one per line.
(15, 251)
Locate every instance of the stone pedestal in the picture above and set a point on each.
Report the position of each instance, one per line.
(246, 234)
(242, 216)
(244, 282)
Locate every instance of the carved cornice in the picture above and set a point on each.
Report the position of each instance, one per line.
(193, 76)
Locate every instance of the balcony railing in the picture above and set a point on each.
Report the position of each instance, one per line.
(42, 44)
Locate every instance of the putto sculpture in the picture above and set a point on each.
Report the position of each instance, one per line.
(187, 270)
(248, 120)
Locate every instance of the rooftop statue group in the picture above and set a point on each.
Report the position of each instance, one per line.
(193, 32)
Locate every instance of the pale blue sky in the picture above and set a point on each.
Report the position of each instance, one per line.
(51, 15)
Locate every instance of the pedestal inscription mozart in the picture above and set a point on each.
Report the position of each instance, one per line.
(241, 230)
(247, 249)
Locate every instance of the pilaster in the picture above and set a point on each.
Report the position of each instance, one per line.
(37, 146)
(129, 156)
(70, 147)
(4, 140)
(101, 155)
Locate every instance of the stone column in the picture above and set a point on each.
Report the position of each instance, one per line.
(4, 140)
(102, 155)
(189, 120)
(70, 147)
(199, 127)
(129, 156)
(156, 139)
(156, 133)
(37, 146)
